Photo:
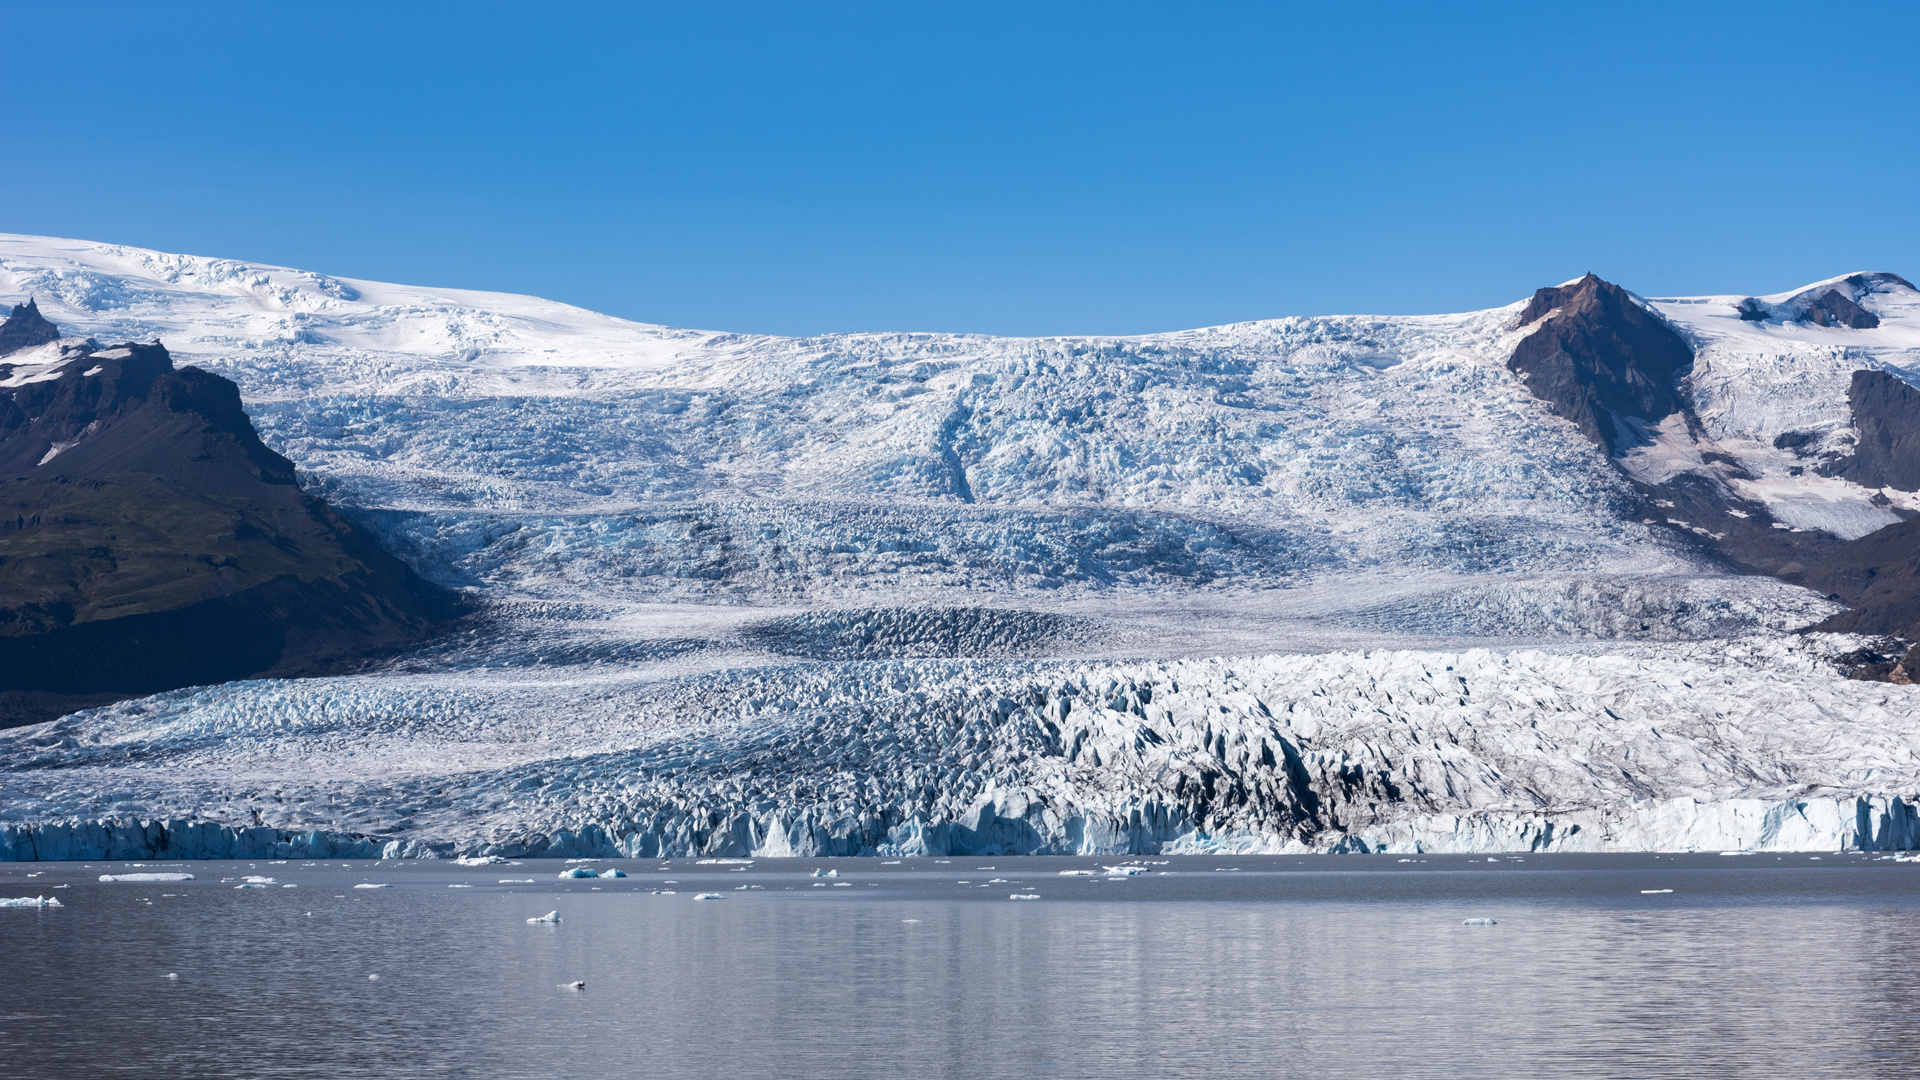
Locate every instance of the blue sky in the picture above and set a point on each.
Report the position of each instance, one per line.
(1019, 169)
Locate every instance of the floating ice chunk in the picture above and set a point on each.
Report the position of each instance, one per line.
(173, 975)
(257, 879)
(578, 872)
(1126, 871)
(250, 885)
(891, 862)
(550, 917)
(843, 884)
(371, 978)
(711, 896)
(148, 877)
(366, 886)
(1491, 859)
(289, 886)
(459, 886)
(1024, 896)
(613, 871)
(909, 920)
(570, 862)
(30, 901)
(577, 984)
(825, 873)
(1076, 873)
(724, 862)
(516, 881)
(1477, 922)
(1224, 870)
(1654, 892)
(479, 860)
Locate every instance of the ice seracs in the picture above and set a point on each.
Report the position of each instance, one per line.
(747, 596)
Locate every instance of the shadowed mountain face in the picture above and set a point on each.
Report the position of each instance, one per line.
(1600, 359)
(149, 540)
(1614, 368)
(1886, 414)
(26, 327)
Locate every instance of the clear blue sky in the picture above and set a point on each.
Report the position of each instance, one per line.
(1020, 168)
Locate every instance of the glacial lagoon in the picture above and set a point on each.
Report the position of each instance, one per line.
(1763, 965)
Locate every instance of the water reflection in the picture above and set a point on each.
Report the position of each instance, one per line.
(1287, 968)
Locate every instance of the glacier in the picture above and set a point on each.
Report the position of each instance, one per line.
(1306, 584)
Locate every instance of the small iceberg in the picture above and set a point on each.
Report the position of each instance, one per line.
(459, 886)
(479, 860)
(173, 976)
(577, 872)
(256, 879)
(373, 886)
(1125, 871)
(148, 877)
(711, 896)
(613, 871)
(1024, 896)
(1478, 922)
(724, 862)
(1076, 873)
(250, 885)
(825, 873)
(516, 881)
(30, 901)
(549, 917)
(577, 984)
(1654, 892)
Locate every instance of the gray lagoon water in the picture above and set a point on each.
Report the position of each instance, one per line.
(1329, 966)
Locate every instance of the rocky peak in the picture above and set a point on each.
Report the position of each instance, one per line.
(1601, 359)
(26, 327)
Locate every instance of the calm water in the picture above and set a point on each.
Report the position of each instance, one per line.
(1330, 966)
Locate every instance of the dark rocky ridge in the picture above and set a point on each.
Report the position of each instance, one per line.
(1600, 359)
(149, 540)
(1834, 308)
(1611, 366)
(1886, 413)
(26, 327)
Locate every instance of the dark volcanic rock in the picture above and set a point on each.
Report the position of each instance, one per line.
(1738, 530)
(1886, 413)
(26, 327)
(1835, 308)
(1602, 360)
(1877, 576)
(149, 540)
(1599, 358)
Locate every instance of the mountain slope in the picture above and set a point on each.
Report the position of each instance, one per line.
(149, 540)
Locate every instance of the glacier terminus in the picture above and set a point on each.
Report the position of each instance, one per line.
(1588, 572)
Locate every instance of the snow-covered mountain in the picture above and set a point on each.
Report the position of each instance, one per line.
(951, 592)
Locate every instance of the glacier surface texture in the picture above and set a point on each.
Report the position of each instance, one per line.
(1308, 584)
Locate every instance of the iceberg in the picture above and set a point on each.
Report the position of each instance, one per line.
(1024, 896)
(1477, 922)
(148, 877)
(549, 917)
(31, 901)
(372, 886)
(578, 872)
(710, 896)
(479, 860)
